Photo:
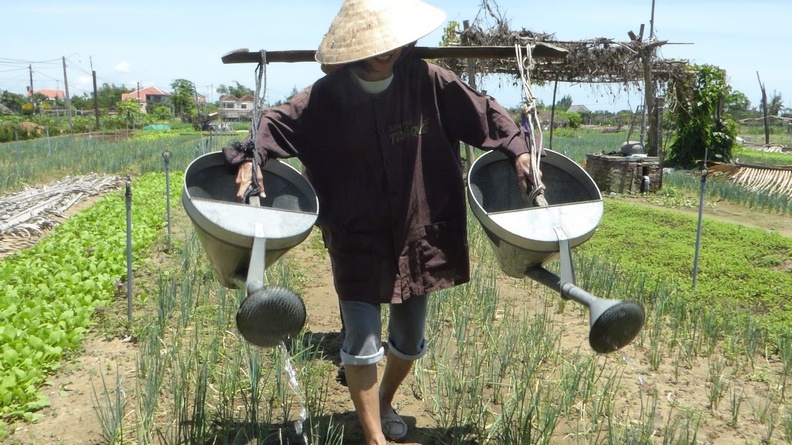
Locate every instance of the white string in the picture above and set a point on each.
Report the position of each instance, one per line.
(529, 109)
(261, 92)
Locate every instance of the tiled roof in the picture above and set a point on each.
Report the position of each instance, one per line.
(578, 109)
(143, 92)
(52, 94)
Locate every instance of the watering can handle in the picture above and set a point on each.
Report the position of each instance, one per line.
(539, 199)
(536, 195)
(254, 190)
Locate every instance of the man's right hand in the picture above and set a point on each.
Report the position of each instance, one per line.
(244, 180)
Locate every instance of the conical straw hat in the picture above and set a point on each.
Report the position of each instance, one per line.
(366, 28)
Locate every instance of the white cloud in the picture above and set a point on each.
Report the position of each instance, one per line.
(84, 84)
(123, 67)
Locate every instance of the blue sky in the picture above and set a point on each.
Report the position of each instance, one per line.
(153, 43)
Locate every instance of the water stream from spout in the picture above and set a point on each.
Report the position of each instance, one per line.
(292, 374)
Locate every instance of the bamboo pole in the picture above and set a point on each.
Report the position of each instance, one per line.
(540, 50)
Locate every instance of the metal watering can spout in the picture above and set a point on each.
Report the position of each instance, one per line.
(267, 315)
(270, 315)
(613, 323)
(241, 240)
(524, 236)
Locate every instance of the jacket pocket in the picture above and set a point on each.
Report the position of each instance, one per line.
(352, 255)
(443, 251)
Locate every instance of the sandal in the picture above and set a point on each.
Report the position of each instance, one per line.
(393, 427)
(341, 375)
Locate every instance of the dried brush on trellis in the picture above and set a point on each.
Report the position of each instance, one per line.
(757, 179)
(596, 60)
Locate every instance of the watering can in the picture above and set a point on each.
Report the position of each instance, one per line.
(242, 239)
(525, 237)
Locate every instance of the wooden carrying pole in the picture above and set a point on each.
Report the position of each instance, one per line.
(540, 50)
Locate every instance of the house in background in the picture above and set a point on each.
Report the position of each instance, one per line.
(52, 95)
(147, 96)
(583, 111)
(579, 109)
(54, 102)
(236, 109)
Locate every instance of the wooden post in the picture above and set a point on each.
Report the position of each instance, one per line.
(646, 53)
(658, 130)
(552, 112)
(471, 74)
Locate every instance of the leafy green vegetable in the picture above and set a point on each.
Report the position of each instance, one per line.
(740, 268)
(49, 293)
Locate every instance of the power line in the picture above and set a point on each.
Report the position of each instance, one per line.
(46, 72)
(77, 67)
(15, 69)
(27, 62)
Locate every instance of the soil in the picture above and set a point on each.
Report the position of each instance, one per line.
(71, 418)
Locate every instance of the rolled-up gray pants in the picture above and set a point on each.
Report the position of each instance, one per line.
(363, 331)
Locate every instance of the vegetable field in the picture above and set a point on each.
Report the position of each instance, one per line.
(508, 361)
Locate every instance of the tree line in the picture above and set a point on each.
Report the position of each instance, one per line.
(701, 115)
(43, 114)
(183, 100)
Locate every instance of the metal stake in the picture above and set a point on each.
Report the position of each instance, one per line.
(129, 249)
(700, 219)
(166, 156)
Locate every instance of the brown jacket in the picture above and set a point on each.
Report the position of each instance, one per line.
(388, 174)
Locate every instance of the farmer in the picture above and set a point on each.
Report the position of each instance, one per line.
(378, 138)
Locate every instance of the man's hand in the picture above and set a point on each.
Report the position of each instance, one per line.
(244, 180)
(530, 180)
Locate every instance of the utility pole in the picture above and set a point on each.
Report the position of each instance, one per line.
(134, 124)
(96, 100)
(32, 100)
(68, 100)
(96, 95)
